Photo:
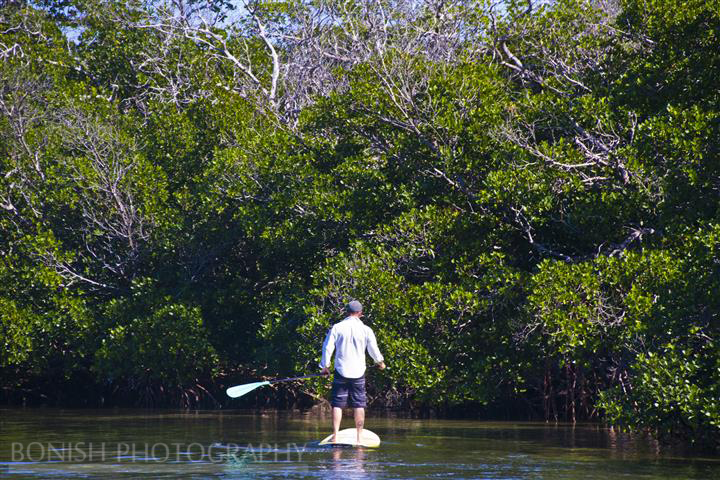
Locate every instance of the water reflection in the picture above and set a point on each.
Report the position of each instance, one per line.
(349, 462)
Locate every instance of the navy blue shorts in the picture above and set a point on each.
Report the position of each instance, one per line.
(348, 392)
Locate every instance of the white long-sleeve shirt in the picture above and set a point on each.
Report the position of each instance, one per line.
(349, 339)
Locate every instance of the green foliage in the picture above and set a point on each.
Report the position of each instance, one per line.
(681, 65)
(604, 304)
(524, 196)
(677, 391)
(153, 341)
(16, 328)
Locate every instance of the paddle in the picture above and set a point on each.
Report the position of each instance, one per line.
(240, 390)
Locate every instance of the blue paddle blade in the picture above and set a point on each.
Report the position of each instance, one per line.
(240, 390)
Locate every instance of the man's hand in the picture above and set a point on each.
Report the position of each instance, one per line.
(326, 371)
(381, 365)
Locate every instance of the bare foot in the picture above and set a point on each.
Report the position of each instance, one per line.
(332, 439)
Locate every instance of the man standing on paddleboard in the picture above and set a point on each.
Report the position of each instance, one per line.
(349, 339)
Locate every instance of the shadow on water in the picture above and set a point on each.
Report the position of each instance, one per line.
(41, 443)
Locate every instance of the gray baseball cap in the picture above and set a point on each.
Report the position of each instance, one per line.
(354, 307)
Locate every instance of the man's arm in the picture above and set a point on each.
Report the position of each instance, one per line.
(373, 349)
(327, 351)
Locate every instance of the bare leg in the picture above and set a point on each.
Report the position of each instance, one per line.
(359, 422)
(336, 418)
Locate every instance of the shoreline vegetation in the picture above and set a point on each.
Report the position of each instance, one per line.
(525, 196)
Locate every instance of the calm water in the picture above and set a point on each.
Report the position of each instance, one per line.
(138, 444)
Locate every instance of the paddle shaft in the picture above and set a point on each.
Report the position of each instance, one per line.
(290, 379)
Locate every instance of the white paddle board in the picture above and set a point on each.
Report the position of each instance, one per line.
(348, 437)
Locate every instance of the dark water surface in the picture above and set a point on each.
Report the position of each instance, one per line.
(41, 443)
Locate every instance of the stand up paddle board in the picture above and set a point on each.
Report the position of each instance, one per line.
(348, 438)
